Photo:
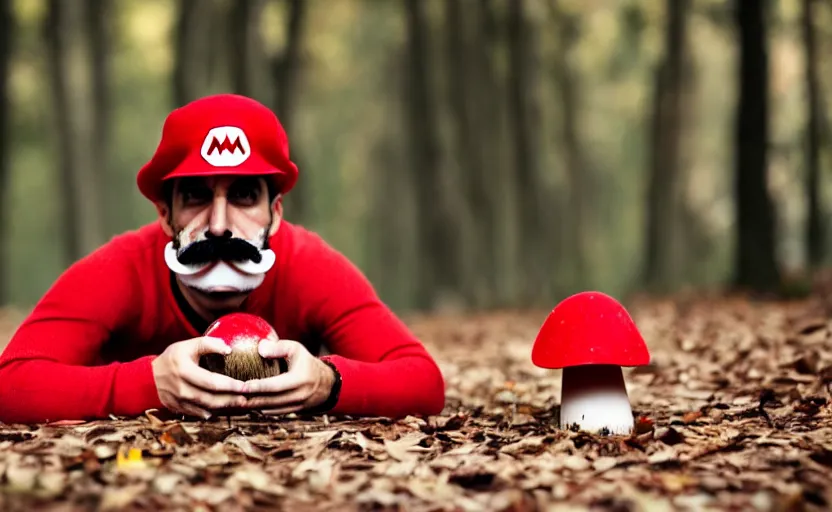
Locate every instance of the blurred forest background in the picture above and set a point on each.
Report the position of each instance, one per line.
(463, 153)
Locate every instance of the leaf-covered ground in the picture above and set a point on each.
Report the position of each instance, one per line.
(733, 414)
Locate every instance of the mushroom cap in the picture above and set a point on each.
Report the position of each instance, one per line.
(589, 328)
(236, 328)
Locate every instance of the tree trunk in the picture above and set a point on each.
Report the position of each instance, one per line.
(242, 19)
(74, 105)
(500, 233)
(392, 252)
(578, 227)
(391, 256)
(474, 210)
(755, 261)
(663, 194)
(7, 31)
(285, 68)
(437, 244)
(524, 161)
(191, 72)
(814, 225)
(98, 30)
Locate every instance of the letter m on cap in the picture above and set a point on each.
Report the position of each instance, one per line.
(225, 146)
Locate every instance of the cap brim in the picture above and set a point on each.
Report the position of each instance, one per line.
(194, 166)
(151, 183)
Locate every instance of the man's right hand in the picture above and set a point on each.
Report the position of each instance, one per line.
(186, 388)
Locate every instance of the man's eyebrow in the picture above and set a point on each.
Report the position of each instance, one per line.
(192, 182)
(246, 182)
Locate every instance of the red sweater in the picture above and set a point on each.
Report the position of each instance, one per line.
(86, 349)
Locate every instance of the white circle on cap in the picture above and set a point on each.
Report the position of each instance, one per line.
(225, 146)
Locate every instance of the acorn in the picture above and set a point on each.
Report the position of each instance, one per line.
(243, 333)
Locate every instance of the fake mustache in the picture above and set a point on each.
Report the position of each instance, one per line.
(216, 249)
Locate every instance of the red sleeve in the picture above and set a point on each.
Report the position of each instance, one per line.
(385, 369)
(47, 372)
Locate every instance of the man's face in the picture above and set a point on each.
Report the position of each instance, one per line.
(217, 207)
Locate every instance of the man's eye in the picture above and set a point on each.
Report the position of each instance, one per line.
(244, 195)
(195, 196)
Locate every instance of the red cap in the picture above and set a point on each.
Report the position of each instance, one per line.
(240, 327)
(589, 328)
(216, 135)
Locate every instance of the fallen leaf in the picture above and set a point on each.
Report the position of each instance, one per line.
(21, 478)
(405, 448)
(245, 446)
(65, 423)
(209, 494)
(167, 483)
(604, 463)
(130, 459)
(153, 419)
(669, 436)
(729, 421)
(175, 435)
(691, 417)
(119, 498)
(51, 484)
(252, 477)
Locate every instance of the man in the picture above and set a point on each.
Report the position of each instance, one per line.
(120, 331)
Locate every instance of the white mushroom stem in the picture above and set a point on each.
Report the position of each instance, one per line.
(594, 398)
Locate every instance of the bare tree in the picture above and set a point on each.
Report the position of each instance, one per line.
(99, 40)
(470, 194)
(286, 65)
(814, 226)
(192, 72)
(286, 71)
(72, 80)
(567, 28)
(755, 264)
(437, 247)
(520, 102)
(7, 31)
(490, 122)
(663, 194)
(244, 56)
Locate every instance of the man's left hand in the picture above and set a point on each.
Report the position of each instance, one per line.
(307, 384)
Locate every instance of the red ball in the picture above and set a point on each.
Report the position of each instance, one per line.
(243, 332)
(237, 329)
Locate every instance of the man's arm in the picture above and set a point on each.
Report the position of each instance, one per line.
(385, 369)
(46, 371)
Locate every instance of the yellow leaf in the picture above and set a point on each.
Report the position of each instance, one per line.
(130, 460)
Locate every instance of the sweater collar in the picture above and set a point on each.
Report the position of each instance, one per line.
(194, 318)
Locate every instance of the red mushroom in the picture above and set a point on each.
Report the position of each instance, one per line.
(591, 336)
(243, 332)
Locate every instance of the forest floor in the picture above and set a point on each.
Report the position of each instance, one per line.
(732, 414)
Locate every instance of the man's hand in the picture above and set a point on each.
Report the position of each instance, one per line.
(186, 388)
(307, 383)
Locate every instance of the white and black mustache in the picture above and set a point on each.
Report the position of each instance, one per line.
(216, 249)
(243, 255)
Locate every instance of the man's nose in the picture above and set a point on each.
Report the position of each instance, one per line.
(218, 223)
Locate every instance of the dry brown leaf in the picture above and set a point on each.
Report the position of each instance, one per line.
(153, 419)
(167, 483)
(210, 495)
(175, 435)
(245, 446)
(406, 448)
(118, 498)
(732, 414)
(253, 477)
(21, 478)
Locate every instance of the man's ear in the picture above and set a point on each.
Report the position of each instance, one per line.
(277, 212)
(164, 217)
